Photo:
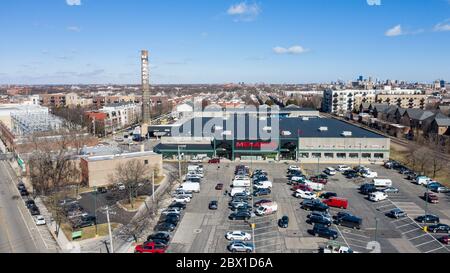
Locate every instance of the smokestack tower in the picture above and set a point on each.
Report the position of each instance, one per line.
(145, 77)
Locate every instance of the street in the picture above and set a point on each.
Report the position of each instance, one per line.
(18, 232)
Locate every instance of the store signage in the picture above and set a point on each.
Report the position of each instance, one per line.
(256, 145)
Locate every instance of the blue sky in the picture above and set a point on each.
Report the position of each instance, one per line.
(220, 41)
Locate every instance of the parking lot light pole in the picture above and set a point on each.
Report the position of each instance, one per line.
(109, 229)
(376, 229)
(253, 225)
(153, 186)
(95, 210)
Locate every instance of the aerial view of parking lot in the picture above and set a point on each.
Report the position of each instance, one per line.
(225, 133)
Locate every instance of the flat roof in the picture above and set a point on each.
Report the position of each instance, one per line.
(246, 128)
(114, 156)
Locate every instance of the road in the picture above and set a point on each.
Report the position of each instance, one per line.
(18, 233)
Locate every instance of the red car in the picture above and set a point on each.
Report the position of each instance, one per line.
(219, 186)
(214, 161)
(150, 247)
(444, 240)
(431, 197)
(302, 187)
(264, 201)
(336, 202)
(320, 180)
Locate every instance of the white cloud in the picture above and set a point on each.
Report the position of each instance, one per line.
(74, 28)
(374, 2)
(73, 2)
(395, 31)
(244, 12)
(444, 26)
(291, 50)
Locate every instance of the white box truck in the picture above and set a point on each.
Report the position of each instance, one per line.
(241, 183)
(382, 182)
(236, 190)
(266, 209)
(192, 187)
(314, 186)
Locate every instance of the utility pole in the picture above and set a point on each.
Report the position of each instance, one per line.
(109, 229)
(153, 187)
(95, 211)
(179, 163)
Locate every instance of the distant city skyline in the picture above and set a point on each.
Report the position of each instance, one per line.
(223, 41)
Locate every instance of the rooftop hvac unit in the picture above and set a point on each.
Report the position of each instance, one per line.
(323, 128)
(267, 128)
(346, 133)
(286, 133)
(218, 128)
(226, 133)
(305, 118)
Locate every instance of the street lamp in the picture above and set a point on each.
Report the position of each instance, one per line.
(376, 229)
(253, 226)
(95, 210)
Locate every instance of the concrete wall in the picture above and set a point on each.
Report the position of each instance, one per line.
(101, 172)
(357, 147)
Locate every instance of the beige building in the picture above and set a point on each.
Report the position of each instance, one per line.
(99, 170)
(403, 100)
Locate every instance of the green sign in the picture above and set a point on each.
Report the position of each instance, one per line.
(77, 235)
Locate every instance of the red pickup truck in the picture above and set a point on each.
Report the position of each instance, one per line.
(150, 247)
(336, 202)
(431, 197)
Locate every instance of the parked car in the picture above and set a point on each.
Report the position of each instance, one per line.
(238, 246)
(283, 222)
(34, 210)
(121, 186)
(181, 199)
(343, 168)
(428, 218)
(323, 214)
(367, 188)
(39, 220)
(213, 205)
(161, 235)
(262, 192)
(305, 195)
(319, 219)
(240, 215)
(102, 190)
(261, 202)
(438, 187)
(294, 168)
(30, 203)
(214, 161)
(180, 206)
(314, 205)
(219, 187)
(242, 207)
(24, 192)
(397, 213)
(326, 195)
(238, 235)
(21, 186)
(171, 211)
(390, 190)
(438, 228)
(431, 197)
(336, 202)
(169, 227)
(348, 220)
(324, 231)
(330, 171)
(377, 196)
(444, 240)
(302, 187)
(150, 247)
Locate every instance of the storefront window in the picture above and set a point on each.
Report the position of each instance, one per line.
(341, 155)
(353, 155)
(366, 155)
(316, 155)
(329, 155)
(304, 155)
(378, 155)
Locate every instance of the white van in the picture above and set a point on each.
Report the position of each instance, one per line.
(266, 209)
(241, 183)
(382, 182)
(236, 190)
(330, 171)
(378, 196)
(263, 185)
(192, 187)
(422, 180)
(314, 186)
(370, 174)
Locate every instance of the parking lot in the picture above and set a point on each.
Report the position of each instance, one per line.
(202, 230)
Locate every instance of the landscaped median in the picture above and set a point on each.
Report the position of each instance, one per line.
(87, 232)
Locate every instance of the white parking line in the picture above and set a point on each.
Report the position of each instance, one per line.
(389, 205)
(424, 244)
(408, 224)
(418, 237)
(266, 239)
(434, 249)
(357, 240)
(356, 234)
(398, 220)
(409, 231)
(264, 233)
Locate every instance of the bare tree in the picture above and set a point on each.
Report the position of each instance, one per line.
(420, 159)
(131, 174)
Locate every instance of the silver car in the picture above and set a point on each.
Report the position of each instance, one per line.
(239, 246)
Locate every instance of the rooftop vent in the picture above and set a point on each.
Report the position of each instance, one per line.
(226, 133)
(305, 118)
(286, 133)
(267, 128)
(346, 133)
(323, 129)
